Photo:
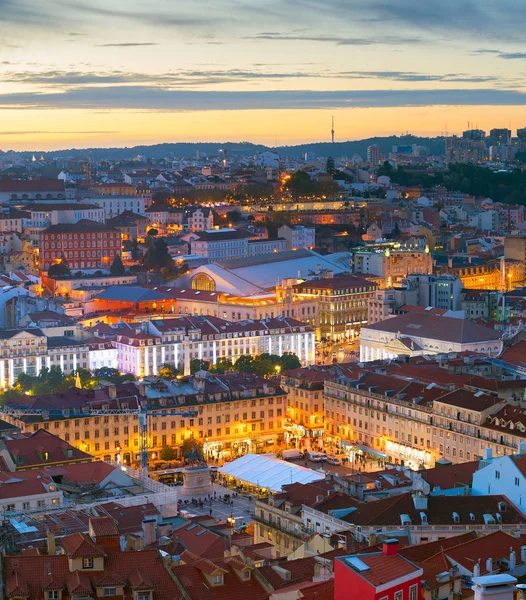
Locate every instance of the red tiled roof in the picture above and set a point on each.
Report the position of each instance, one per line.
(384, 569)
(516, 354)
(103, 526)
(79, 545)
(200, 540)
(422, 552)
(31, 446)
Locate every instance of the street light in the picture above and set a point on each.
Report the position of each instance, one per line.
(231, 520)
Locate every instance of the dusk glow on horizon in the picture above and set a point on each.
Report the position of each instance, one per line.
(85, 74)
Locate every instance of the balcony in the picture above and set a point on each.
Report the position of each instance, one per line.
(300, 534)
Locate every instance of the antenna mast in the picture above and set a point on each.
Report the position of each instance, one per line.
(332, 130)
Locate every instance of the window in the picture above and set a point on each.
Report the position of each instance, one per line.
(497, 474)
(399, 595)
(110, 591)
(87, 563)
(218, 579)
(144, 596)
(53, 595)
(412, 592)
(517, 481)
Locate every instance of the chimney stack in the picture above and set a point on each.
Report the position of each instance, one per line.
(494, 587)
(390, 547)
(149, 528)
(51, 543)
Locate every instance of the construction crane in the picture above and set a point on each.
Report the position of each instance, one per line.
(142, 413)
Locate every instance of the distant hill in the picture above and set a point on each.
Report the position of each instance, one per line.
(186, 149)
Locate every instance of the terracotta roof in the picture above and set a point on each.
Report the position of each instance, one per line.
(82, 226)
(469, 400)
(516, 354)
(496, 545)
(448, 477)
(200, 540)
(31, 185)
(32, 446)
(422, 552)
(79, 545)
(103, 526)
(383, 569)
(440, 509)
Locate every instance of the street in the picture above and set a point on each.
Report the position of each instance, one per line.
(343, 352)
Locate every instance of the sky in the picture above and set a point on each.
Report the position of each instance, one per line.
(85, 73)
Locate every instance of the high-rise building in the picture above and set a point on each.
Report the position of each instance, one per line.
(373, 154)
(501, 136)
(474, 134)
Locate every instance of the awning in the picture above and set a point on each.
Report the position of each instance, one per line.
(267, 472)
(367, 450)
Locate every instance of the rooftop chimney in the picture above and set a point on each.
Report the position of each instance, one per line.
(51, 544)
(149, 527)
(494, 587)
(390, 547)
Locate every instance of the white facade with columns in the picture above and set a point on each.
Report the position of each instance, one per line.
(173, 341)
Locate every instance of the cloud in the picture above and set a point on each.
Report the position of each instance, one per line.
(127, 45)
(148, 98)
(410, 76)
(202, 77)
(185, 78)
(338, 40)
(12, 133)
(502, 54)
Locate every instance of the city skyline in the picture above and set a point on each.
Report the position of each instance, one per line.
(73, 74)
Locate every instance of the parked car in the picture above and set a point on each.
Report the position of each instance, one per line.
(333, 460)
(291, 454)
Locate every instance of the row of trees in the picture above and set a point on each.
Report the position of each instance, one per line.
(52, 380)
(501, 186)
(264, 365)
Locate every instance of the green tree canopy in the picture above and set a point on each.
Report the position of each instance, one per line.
(116, 267)
(60, 269)
(168, 371)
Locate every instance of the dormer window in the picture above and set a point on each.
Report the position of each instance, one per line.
(53, 595)
(70, 453)
(110, 591)
(143, 596)
(218, 579)
(87, 563)
(45, 455)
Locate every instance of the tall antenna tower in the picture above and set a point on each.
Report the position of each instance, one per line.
(332, 130)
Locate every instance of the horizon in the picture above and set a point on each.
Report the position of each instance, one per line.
(85, 75)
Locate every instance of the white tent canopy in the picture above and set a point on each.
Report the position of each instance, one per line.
(268, 472)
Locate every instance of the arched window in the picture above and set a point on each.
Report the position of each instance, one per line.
(204, 282)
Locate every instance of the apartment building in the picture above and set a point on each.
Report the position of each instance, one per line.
(221, 244)
(236, 413)
(179, 340)
(305, 402)
(29, 349)
(342, 304)
(84, 245)
(416, 424)
(298, 237)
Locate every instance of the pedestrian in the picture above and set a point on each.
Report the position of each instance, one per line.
(210, 511)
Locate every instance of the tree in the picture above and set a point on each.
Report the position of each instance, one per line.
(136, 253)
(116, 267)
(167, 453)
(157, 256)
(152, 232)
(289, 361)
(330, 168)
(396, 233)
(222, 364)
(60, 269)
(234, 216)
(168, 371)
(300, 184)
(198, 365)
(243, 364)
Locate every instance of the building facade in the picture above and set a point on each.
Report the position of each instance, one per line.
(84, 245)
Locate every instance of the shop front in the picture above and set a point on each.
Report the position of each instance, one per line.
(413, 458)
